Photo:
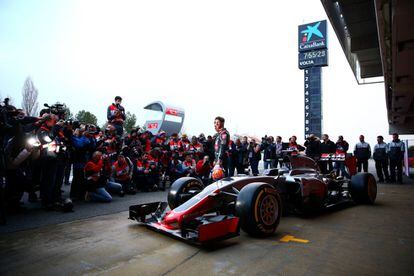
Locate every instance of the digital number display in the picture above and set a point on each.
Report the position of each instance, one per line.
(313, 58)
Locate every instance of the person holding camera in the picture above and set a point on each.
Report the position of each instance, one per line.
(116, 115)
(48, 162)
(18, 153)
(255, 156)
(97, 183)
(122, 171)
(312, 145)
(189, 164)
(146, 173)
(278, 152)
(269, 151)
(82, 146)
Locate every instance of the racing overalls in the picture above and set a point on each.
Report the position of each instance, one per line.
(221, 147)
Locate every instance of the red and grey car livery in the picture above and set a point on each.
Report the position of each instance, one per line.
(255, 204)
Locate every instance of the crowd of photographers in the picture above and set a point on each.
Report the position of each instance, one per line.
(40, 153)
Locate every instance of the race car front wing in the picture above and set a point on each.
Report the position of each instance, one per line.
(200, 230)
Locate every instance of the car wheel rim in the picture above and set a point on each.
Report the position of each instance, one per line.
(269, 210)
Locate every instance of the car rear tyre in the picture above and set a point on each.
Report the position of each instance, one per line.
(182, 190)
(259, 209)
(363, 188)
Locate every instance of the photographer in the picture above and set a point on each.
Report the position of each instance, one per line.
(83, 146)
(48, 164)
(269, 151)
(254, 156)
(122, 171)
(279, 153)
(175, 168)
(189, 165)
(312, 145)
(116, 116)
(97, 184)
(18, 153)
(146, 173)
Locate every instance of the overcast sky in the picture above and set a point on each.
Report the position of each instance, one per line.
(237, 59)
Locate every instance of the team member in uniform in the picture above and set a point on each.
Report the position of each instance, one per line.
(396, 149)
(221, 144)
(362, 152)
(381, 159)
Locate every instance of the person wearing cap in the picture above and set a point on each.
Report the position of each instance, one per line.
(381, 159)
(396, 149)
(362, 152)
(116, 115)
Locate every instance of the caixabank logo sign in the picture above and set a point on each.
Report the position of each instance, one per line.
(312, 36)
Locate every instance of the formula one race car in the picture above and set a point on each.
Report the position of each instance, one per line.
(255, 204)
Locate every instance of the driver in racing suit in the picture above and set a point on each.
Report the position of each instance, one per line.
(221, 144)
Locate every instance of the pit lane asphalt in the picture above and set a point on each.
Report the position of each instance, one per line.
(357, 240)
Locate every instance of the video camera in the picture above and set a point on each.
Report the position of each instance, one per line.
(8, 114)
(57, 109)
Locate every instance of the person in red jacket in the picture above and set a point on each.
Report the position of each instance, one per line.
(203, 169)
(122, 171)
(173, 143)
(97, 184)
(189, 164)
(146, 173)
(197, 148)
(184, 143)
(116, 115)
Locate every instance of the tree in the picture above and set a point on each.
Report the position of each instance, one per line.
(86, 117)
(68, 114)
(130, 121)
(29, 102)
